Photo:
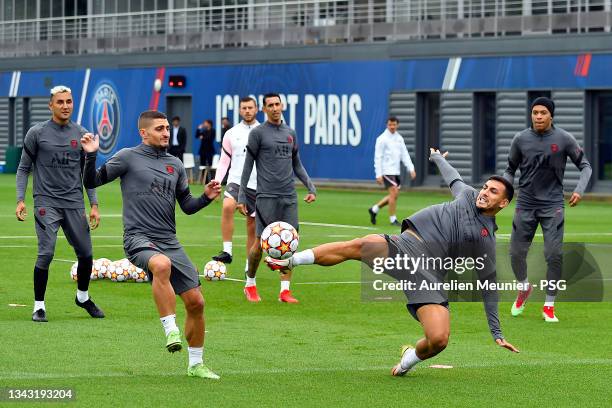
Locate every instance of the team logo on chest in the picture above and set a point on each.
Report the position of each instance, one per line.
(484, 232)
(554, 148)
(290, 139)
(105, 116)
(73, 144)
(169, 169)
(42, 212)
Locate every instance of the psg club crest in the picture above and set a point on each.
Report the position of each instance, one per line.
(170, 169)
(554, 148)
(73, 144)
(42, 212)
(105, 116)
(484, 232)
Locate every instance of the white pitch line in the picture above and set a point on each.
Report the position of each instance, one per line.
(291, 370)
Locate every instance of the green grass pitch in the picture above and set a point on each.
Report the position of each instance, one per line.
(332, 349)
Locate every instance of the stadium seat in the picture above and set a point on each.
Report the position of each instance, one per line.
(213, 168)
(189, 164)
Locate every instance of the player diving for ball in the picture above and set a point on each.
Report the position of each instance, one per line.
(460, 228)
(152, 181)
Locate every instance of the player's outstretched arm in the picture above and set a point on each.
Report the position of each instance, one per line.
(115, 167)
(449, 174)
(190, 204)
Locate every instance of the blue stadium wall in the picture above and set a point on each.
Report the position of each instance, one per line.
(337, 108)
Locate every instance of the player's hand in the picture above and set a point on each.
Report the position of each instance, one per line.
(413, 175)
(94, 217)
(310, 198)
(21, 212)
(379, 180)
(503, 343)
(212, 189)
(574, 199)
(433, 151)
(242, 208)
(90, 142)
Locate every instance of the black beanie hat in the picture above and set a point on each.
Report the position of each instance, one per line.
(544, 101)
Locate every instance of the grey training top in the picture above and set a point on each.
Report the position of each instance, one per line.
(275, 149)
(151, 181)
(459, 229)
(541, 158)
(55, 153)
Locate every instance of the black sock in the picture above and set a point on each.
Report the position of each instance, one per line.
(84, 272)
(40, 283)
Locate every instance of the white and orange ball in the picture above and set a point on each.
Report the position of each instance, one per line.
(215, 271)
(279, 240)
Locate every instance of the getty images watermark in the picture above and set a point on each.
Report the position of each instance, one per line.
(417, 275)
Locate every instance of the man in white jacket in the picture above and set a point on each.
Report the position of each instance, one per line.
(389, 153)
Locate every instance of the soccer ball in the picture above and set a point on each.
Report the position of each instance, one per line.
(138, 275)
(123, 271)
(215, 270)
(100, 268)
(279, 240)
(73, 271)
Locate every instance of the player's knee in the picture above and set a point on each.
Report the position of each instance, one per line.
(195, 305)
(438, 341)
(160, 266)
(44, 260)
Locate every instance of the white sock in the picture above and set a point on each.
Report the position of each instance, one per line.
(524, 285)
(410, 359)
(549, 301)
(305, 257)
(392, 218)
(39, 304)
(246, 265)
(82, 295)
(169, 323)
(195, 355)
(285, 285)
(375, 208)
(250, 282)
(227, 247)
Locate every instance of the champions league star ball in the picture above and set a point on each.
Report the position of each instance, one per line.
(279, 240)
(139, 276)
(215, 270)
(73, 271)
(101, 268)
(123, 271)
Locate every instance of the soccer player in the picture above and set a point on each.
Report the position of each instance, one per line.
(151, 181)
(52, 149)
(463, 227)
(273, 147)
(233, 153)
(540, 153)
(389, 153)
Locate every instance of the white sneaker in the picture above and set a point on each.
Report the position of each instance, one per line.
(281, 265)
(398, 370)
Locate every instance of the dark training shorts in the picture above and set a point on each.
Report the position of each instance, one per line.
(140, 249)
(231, 191)
(392, 181)
(272, 209)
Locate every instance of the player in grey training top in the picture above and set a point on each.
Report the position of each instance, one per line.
(273, 147)
(53, 150)
(464, 227)
(540, 153)
(151, 182)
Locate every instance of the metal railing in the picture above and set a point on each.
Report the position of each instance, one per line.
(298, 23)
